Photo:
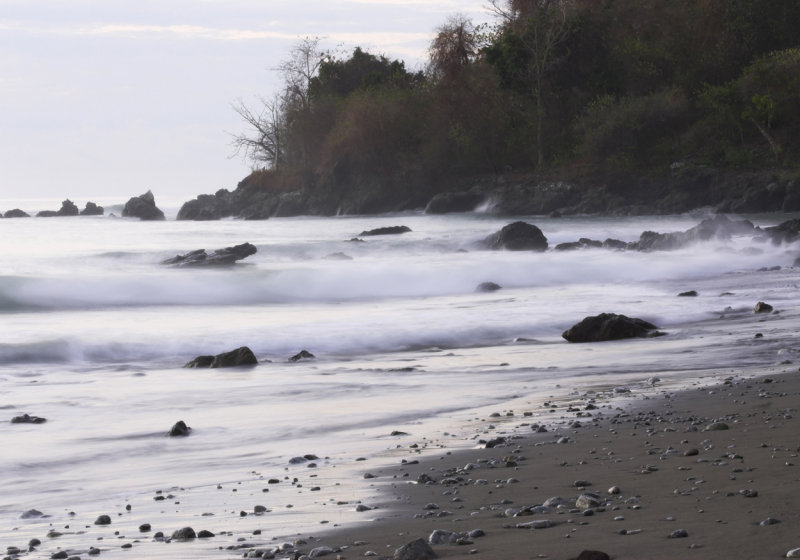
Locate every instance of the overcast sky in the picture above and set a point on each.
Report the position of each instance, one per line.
(109, 98)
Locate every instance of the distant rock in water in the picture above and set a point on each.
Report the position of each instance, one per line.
(16, 213)
(518, 236)
(302, 355)
(92, 209)
(143, 207)
(221, 257)
(207, 207)
(488, 287)
(719, 227)
(68, 208)
(444, 203)
(762, 307)
(242, 356)
(390, 230)
(28, 419)
(785, 232)
(608, 326)
(690, 293)
(180, 429)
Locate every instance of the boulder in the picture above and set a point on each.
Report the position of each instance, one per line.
(221, 257)
(415, 550)
(92, 209)
(390, 230)
(517, 236)
(718, 227)
(68, 208)
(16, 213)
(762, 307)
(444, 203)
(488, 287)
(242, 356)
(207, 207)
(302, 355)
(608, 326)
(179, 429)
(143, 207)
(184, 534)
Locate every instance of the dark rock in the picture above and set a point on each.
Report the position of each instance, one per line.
(103, 520)
(415, 550)
(488, 287)
(60, 555)
(179, 429)
(569, 246)
(615, 244)
(92, 209)
(390, 230)
(716, 427)
(68, 208)
(207, 207)
(242, 356)
(718, 227)
(143, 207)
(205, 534)
(16, 213)
(518, 236)
(678, 534)
(28, 419)
(608, 326)
(221, 257)
(534, 198)
(184, 534)
(444, 203)
(762, 307)
(302, 355)
(32, 514)
(144, 528)
(593, 555)
(690, 293)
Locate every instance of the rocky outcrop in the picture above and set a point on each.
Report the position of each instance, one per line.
(517, 236)
(449, 202)
(719, 227)
(16, 213)
(92, 209)
(608, 326)
(242, 356)
(68, 208)
(302, 355)
(221, 257)
(143, 207)
(179, 429)
(785, 232)
(533, 197)
(389, 230)
(207, 207)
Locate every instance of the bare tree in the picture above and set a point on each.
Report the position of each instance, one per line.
(541, 26)
(265, 143)
(453, 48)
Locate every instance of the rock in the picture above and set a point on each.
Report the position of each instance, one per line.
(593, 555)
(570, 246)
(415, 550)
(794, 553)
(143, 207)
(749, 493)
(608, 326)
(614, 244)
(28, 419)
(221, 257)
(320, 551)
(678, 534)
(32, 514)
(103, 520)
(390, 230)
(690, 293)
(440, 536)
(16, 213)
(762, 307)
(444, 203)
(555, 501)
(588, 500)
(691, 452)
(581, 483)
(242, 356)
(718, 227)
(537, 524)
(144, 528)
(92, 209)
(785, 232)
(68, 208)
(488, 287)
(517, 236)
(302, 355)
(180, 429)
(184, 534)
(716, 427)
(769, 521)
(60, 555)
(207, 207)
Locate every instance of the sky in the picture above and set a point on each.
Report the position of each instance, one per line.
(102, 99)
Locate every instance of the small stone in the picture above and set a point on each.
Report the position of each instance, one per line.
(103, 520)
(418, 549)
(614, 490)
(440, 536)
(749, 493)
(769, 521)
(587, 500)
(62, 555)
(762, 307)
(179, 429)
(678, 534)
(716, 426)
(205, 534)
(691, 452)
(581, 483)
(320, 551)
(593, 555)
(183, 534)
(537, 524)
(144, 528)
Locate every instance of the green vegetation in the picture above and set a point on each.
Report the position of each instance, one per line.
(568, 89)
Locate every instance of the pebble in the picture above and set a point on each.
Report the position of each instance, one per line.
(794, 553)
(103, 520)
(678, 534)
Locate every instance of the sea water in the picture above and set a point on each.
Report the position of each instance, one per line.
(94, 332)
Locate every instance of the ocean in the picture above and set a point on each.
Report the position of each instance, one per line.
(94, 332)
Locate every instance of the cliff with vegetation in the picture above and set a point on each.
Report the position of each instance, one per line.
(617, 106)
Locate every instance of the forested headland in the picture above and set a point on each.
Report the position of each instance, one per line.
(615, 106)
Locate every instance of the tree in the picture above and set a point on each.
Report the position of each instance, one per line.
(540, 27)
(266, 143)
(454, 48)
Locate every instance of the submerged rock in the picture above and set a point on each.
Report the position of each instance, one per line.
(28, 419)
(488, 287)
(68, 208)
(517, 236)
(390, 230)
(608, 326)
(302, 355)
(16, 213)
(143, 207)
(92, 209)
(180, 429)
(762, 307)
(221, 257)
(242, 356)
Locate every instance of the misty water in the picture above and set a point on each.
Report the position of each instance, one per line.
(94, 333)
